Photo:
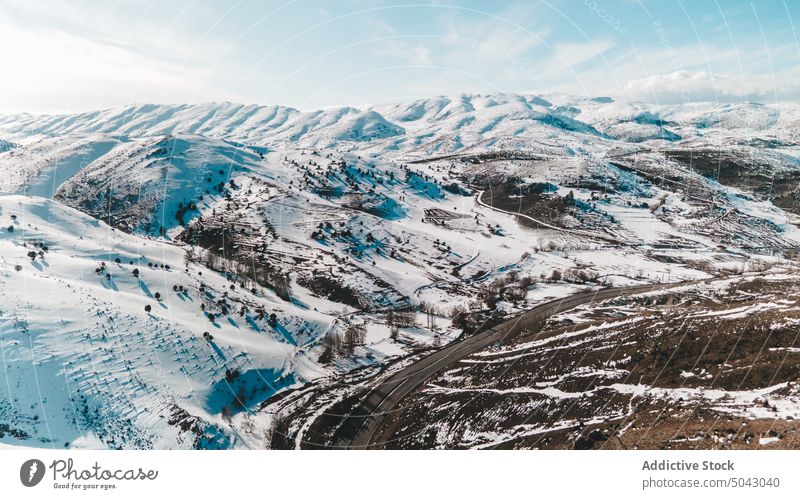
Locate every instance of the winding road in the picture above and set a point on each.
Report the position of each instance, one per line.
(369, 424)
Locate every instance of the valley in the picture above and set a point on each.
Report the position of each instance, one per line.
(238, 276)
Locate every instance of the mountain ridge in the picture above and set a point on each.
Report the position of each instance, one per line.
(470, 117)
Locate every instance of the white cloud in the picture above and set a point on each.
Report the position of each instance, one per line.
(687, 86)
(59, 61)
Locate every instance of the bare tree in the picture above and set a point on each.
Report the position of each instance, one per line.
(430, 315)
(354, 336)
(394, 329)
(404, 318)
(332, 346)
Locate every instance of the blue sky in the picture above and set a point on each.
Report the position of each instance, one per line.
(74, 56)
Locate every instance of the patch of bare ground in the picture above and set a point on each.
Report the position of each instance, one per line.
(731, 168)
(706, 367)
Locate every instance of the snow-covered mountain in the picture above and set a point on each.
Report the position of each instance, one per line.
(442, 123)
(292, 248)
(219, 120)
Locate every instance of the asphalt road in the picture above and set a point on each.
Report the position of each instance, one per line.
(368, 424)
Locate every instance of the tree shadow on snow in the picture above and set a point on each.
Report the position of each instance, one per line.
(246, 390)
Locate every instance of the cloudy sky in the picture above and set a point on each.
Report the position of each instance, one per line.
(76, 56)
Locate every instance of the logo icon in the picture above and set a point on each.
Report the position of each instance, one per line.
(31, 472)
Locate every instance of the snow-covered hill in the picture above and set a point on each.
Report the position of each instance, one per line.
(40, 166)
(102, 336)
(219, 120)
(150, 185)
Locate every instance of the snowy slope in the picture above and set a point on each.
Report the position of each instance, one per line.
(153, 180)
(86, 365)
(40, 167)
(220, 120)
(214, 119)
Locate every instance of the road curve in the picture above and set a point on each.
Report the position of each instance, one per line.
(364, 426)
